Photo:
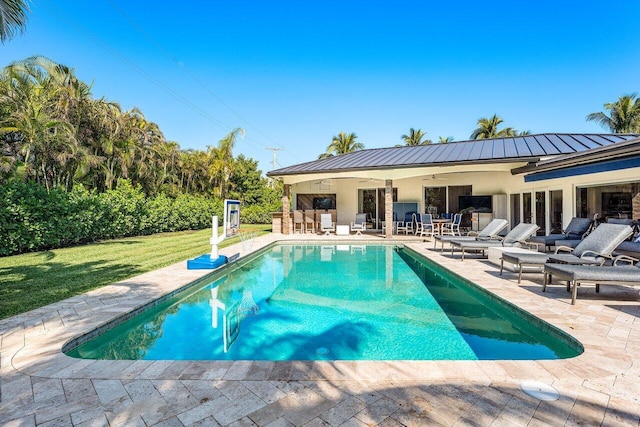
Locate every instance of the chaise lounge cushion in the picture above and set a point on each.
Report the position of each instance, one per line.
(524, 258)
(490, 232)
(516, 237)
(576, 274)
(629, 248)
(600, 243)
(624, 273)
(574, 231)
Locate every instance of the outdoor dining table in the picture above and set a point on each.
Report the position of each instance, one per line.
(438, 223)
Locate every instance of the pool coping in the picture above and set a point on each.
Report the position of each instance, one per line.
(31, 343)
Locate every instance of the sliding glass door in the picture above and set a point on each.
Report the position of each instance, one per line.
(371, 202)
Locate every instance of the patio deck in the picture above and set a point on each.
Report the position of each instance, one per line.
(39, 385)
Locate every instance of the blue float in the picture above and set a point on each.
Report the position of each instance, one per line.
(204, 262)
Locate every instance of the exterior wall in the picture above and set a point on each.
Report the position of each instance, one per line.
(411, 189)
(568, 185)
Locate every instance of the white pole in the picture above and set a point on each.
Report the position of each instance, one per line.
(214, 238)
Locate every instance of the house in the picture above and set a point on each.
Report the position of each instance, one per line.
(544, 178)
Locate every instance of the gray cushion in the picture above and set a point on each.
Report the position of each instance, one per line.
(623, 221)
(631, 248)
(448, 238)
(568, 243)
(577, 227)
(572, 259)
(574, 231)
(604, 239)
(624, 273)
(476, 244)
(524, 258)
(549, 240)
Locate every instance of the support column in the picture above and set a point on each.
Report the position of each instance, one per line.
(286, 203)
(388, 208)
(635, 201)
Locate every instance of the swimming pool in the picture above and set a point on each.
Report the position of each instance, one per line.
(330, 302)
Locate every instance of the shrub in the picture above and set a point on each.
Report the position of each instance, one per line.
(33, 219)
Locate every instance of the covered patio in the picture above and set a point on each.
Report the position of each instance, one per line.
(511, 178)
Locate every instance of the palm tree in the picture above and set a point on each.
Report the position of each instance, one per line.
(221, 161)
(624, 115)
(488, 128)
(342, 144)
(445, 139)
(13, 18)
(415, 138)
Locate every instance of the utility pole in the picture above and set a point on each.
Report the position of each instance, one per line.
(274, 162)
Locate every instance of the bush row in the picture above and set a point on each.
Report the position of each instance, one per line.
(33, 219)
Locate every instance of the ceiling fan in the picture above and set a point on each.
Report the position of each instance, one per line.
(434, 177)
(370, 180)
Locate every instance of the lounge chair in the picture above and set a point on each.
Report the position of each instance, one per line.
(360, 224)
(326, 224)
(624, 221)
(596, 248)
(490, 232)
(516, 237)
(576, 230)
(575, 275)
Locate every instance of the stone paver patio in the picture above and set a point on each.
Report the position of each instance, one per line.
(39, 385)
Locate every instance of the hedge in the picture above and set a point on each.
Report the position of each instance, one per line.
(32, 219)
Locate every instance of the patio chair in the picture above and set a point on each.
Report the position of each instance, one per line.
(575, 275)
(576, 230)
(309, 222)
(490, 232)
(424, 225)
(405, 226)
(298, 221)
(595, 249)
(453, 227)
(326, 225)
(360, 224)
(516, 237)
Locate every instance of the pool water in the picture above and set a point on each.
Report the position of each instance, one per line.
(331, 302)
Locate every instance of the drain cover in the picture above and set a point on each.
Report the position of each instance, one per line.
(322, 351)
(539, 390)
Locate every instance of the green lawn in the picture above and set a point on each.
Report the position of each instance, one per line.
(36, 279)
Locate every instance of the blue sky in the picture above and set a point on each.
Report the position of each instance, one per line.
(295, 73)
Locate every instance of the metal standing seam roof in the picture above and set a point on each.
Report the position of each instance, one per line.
(622, 149)
(529, 148)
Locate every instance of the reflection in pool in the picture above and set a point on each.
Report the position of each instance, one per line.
(331, 302)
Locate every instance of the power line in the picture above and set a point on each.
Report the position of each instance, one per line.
(104, 45)
(143, 73)
(193, 77)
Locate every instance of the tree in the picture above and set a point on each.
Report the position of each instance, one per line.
(53, 132)
(445, 139)
(488, 128)
(415, 137)
(221, 161)
(624, 115)
(13, 18)
(342, 144)
(247, 184)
